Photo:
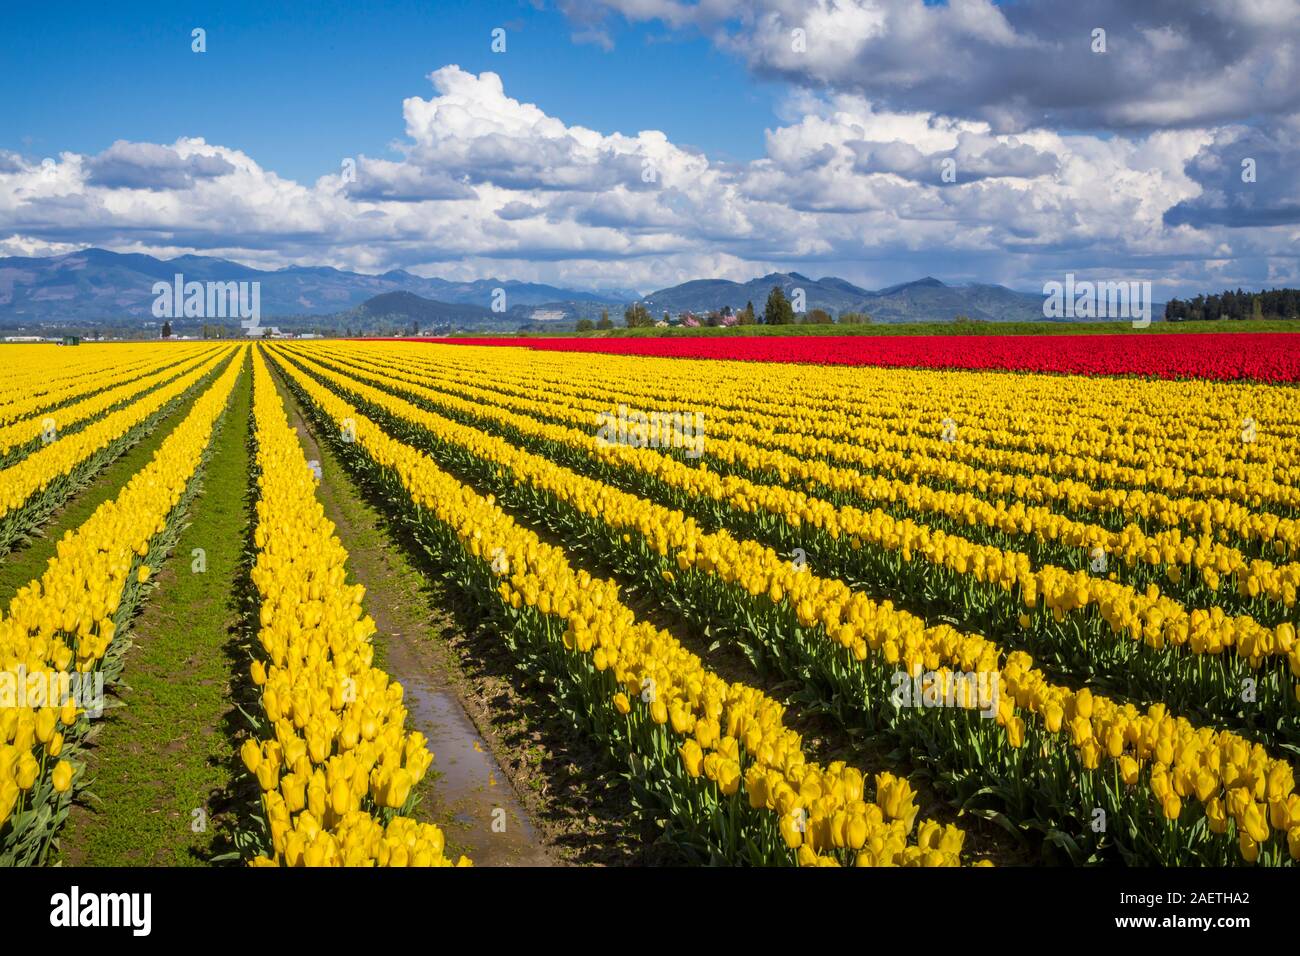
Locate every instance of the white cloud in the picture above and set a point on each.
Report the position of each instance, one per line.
(488, 184)
(1167, 63)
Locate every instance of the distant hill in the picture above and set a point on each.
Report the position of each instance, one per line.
(97, 286)
(929, 300)
(703, 295)
(924, 300)
(406, 312)
(407, 307)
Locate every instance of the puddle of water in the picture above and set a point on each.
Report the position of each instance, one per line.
(472, 798)
(486, 818)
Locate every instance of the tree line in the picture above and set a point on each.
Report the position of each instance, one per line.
(1269, 304)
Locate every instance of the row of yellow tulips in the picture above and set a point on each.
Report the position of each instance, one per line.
(1170, 551)
(48, 388)
(1144, 615)
(1216, 768)
(30, 429)
(990, 408)
(33, 474)
(337, 768)
(35, 371)
(1176, 418)
(783, 431)
(728, 734)
(65, 622)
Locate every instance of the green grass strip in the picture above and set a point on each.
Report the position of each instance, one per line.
(168, 752)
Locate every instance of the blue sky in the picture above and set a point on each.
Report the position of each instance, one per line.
(640, 143)
(301, 88)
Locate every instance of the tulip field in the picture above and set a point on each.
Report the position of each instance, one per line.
(963, 604)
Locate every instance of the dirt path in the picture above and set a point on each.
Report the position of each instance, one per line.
(824, 739)
(163, 763)
(468, 794)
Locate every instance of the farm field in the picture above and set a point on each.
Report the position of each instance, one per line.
(861, 602)
(1261, 356)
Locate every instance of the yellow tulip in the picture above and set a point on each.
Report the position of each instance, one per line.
(268, 775)
(251, 754)
(791, 827)
(1172, 806)
(294, 789)
(1255, 822)
(1083, 703)
(729, 777)
(9, 794)
(1248, 846)
(1215, 815)
(399, 790)
(45, 723)
(1281, 781)
(692, 757)
(1128, 770)
(26, 770)
(1015, 730)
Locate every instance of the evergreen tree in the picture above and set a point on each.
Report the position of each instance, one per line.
(778, 310)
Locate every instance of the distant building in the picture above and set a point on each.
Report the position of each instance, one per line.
(23, 338)
(548, 315)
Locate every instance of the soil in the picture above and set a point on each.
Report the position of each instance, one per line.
(501, 754)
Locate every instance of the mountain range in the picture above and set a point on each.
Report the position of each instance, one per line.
(97, 287)
(923, 300)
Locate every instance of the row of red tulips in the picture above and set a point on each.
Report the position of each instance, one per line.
(1263, 356)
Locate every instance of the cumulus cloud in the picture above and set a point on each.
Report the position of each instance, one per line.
(150, 166)
(974, 157)
(381, 179)
(518, 210)
(487, 183)
(1167, 63)
(1248, 177)
(473, 129)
